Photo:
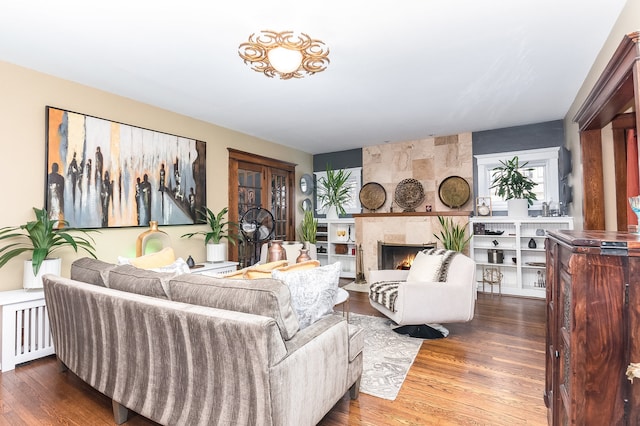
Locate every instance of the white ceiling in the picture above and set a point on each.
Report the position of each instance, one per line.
(400, 69)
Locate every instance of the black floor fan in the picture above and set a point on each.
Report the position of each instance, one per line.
(257, 226)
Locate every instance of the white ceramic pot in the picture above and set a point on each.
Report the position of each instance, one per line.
(49, 266)
(332, 213)
(216, 252)
(517, 207)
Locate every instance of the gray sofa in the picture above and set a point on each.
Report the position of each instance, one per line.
(197, 350)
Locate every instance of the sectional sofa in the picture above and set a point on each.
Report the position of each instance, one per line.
(198, 350)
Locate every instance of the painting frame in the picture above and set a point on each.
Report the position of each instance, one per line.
(101, 173)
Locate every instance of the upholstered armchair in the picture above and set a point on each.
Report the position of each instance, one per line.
(421, 300)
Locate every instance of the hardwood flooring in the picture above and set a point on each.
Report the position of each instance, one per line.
(489, 371)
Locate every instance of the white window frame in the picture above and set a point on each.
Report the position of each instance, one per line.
(355, 182)
(545, 157)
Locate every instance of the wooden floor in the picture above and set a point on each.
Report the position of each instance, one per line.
(489, 371)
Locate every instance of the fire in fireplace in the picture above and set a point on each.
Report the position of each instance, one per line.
(398, 256)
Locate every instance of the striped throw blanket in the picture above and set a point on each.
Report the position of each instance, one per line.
(385, 293)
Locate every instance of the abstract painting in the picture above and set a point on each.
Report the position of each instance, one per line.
(104, 174)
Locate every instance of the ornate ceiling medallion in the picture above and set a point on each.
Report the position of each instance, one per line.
(284, 54)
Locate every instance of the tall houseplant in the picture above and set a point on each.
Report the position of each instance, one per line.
(511, 184)
(308, 227)
(452, 235)
(334, 191)
(219, 229)
(42, 237)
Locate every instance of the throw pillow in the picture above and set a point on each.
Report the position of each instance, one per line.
(425, 267)
(264, 270)
(313, 291)
(308, 264)
(164, 257)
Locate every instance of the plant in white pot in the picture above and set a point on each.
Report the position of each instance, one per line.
(514, 186)
(216, 249)
(333, 192)
(309, 230)
(42, 237)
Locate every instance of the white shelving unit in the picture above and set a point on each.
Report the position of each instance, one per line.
(339, 233)
(524, 268)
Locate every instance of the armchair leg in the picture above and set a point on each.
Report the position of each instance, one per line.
(120, 412)
(354, 390)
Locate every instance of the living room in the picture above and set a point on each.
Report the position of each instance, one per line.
(27, 92)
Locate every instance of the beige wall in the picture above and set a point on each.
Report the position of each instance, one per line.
(629, 21)
(25, 93)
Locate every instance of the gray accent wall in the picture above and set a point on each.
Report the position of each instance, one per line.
(338, 160)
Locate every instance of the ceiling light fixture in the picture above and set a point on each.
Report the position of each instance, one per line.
(284, 54)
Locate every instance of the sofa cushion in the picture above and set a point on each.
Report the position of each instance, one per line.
(265, 297)
(92, 271)
(307, 264)
(164, 257)
(140, 281)
(313, 291)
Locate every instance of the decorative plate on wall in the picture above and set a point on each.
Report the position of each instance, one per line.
(409, 194)
(454, 192)
(372, 196)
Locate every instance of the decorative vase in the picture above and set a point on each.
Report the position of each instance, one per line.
(304, 256)
(532, 244)
(216, 252)
(190, 262)
(49, 266)
(518, 207)
(332, 213)
(276, 251)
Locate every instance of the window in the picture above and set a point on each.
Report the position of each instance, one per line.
(544, 163)
(354, 182)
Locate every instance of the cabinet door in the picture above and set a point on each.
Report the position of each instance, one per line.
(551, 361)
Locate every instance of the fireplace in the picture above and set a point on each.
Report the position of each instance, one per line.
(398, 256)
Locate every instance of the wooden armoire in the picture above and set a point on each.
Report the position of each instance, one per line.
(593, 327)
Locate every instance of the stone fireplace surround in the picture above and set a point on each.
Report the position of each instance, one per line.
(399, 228)
(430, 161)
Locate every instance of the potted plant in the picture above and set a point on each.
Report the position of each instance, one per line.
(514, 186)
(452, 235)
(216, 250)
(334, 192)
(308, 227)
(42, 237)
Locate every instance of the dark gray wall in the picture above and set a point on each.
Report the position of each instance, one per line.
(531, 136)
(338, 160)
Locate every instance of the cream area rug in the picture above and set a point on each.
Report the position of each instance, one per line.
(387, 356)
(362, 288)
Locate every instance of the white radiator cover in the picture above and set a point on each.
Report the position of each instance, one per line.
(25, 328)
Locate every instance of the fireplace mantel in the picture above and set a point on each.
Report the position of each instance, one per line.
(405, 214)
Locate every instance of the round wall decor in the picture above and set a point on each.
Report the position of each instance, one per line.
(409, 194)
(372, 196)
(454, 192)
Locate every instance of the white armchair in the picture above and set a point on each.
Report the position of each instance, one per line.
(423, 302)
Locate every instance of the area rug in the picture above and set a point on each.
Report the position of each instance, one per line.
(387, 356)
(362, 288)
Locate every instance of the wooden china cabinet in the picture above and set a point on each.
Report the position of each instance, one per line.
(593, 327)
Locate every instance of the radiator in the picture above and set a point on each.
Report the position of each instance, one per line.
(25, 328)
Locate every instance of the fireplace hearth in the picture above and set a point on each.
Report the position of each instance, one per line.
(398, 256)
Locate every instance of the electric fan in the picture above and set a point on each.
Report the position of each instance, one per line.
(257, 226)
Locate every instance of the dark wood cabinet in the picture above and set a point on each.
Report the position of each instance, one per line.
(593, 303)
